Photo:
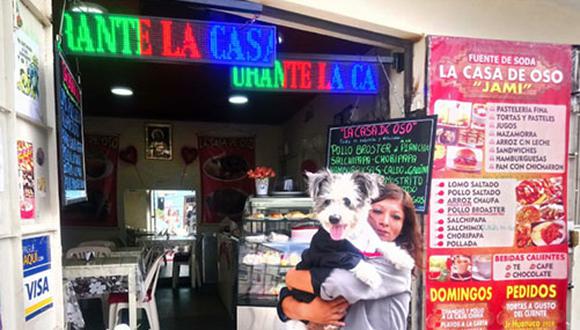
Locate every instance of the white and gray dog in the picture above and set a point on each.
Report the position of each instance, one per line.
(342, 203)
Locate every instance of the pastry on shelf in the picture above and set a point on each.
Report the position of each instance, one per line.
(295, 215)
(257, 216)
(272, 258)
(276, 216)
(253, 259)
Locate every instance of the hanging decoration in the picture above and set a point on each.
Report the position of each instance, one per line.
(189, 155)
(129, 155)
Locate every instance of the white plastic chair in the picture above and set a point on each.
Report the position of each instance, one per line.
(186, 259)
(151, 255)
(111, 245)
(80, 252)
(179, 259)
(119, 301)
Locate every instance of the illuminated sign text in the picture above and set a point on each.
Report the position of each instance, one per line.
(169, 39)
(309, 76)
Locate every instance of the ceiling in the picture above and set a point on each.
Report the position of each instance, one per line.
(193, 91)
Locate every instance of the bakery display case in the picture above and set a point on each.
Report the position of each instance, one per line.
(275, 231)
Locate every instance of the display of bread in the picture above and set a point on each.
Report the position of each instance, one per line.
(276, 216)
(257, 216)
(295, 215)
(268, 258)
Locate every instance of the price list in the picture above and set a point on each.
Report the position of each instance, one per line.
(399, 150)
(71, 145)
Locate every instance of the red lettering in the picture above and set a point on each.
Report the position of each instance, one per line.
(190, 43)
(384, 129)
(306, 75)
(322, 83)
(168, 40)
(145, 26)
(290, 68)
(347, 132)
(70, 82)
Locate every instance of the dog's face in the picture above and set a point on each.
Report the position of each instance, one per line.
(341, 201)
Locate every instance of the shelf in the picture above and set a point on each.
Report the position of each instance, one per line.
(258, 300)
(33, 121)
(8, 236)
(294, 202)
(35, 228)
(254, 280)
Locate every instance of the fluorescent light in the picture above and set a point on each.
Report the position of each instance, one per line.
(122, 91)
(238, 99)
(280, 37)
(87, 7)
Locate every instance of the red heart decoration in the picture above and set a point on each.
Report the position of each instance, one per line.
(189, 154)
(129, 155)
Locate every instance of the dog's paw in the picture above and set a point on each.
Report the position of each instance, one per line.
(400, 258)
(367, 274)
(295, 325)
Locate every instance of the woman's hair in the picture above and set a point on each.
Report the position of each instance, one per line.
(410, 236)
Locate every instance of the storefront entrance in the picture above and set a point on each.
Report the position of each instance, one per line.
(178, 134)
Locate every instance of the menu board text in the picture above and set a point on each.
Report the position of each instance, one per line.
(399, 150)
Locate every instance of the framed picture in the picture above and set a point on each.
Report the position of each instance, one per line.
(158, 142)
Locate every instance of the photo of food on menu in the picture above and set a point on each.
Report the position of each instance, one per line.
(540, 217)
(460, 136)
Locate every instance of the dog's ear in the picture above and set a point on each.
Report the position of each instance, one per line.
(316, 181)
(368, 184)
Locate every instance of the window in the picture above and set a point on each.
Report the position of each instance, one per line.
(172, 212)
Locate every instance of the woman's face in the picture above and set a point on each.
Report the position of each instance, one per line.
(387, 217)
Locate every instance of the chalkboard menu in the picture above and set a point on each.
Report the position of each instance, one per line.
(400, 150)
(70, 136)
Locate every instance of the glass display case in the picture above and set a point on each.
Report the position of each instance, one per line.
(275, 231)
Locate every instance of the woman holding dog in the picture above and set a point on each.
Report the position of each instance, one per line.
(347, 301)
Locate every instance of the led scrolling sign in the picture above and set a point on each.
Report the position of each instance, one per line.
(309, 76)
(249, 49)
(169, 39)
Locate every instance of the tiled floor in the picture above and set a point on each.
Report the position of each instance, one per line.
(178, 309)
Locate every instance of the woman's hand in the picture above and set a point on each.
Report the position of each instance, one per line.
(300, 280)
(327, 312)
(317, 311)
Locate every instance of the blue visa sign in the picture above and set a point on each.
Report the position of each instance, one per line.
(37, 276)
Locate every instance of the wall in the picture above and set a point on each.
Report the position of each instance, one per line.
(540, 20)
(26, 34)
(160, 174)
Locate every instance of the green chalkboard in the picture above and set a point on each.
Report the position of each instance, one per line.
(400, 150)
